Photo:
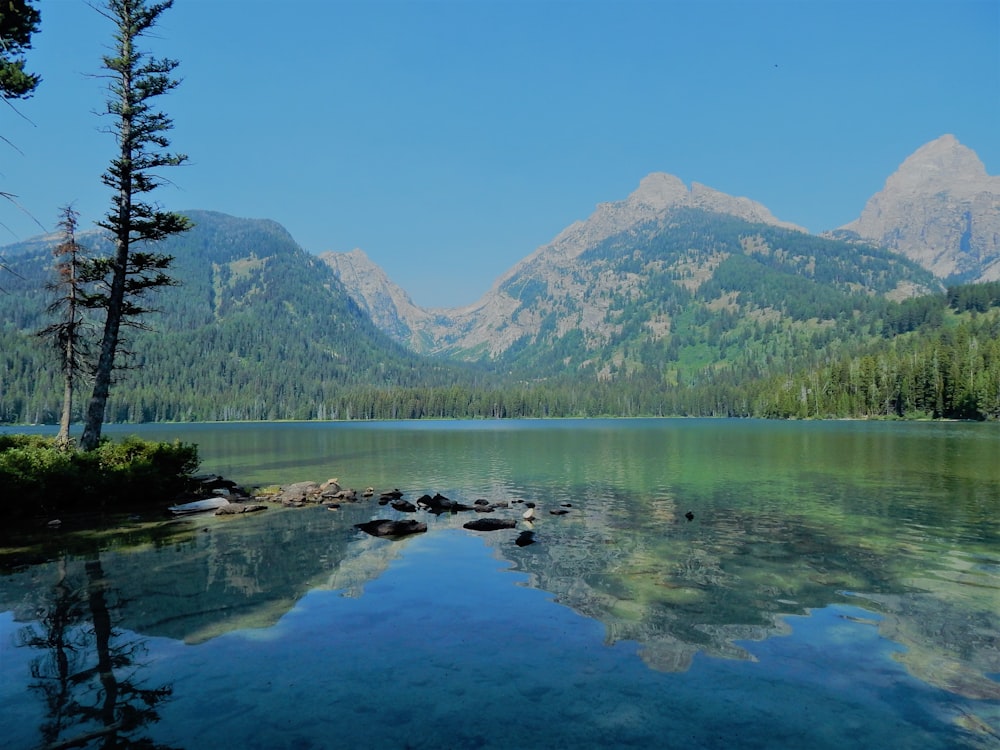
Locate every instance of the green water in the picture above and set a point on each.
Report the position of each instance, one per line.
(838, 585)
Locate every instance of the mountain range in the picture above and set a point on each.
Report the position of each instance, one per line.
(670, 287)
(940, 209)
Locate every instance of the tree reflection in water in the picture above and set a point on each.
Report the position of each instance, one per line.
(88, 673)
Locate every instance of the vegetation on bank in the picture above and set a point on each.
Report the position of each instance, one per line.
(42, 478)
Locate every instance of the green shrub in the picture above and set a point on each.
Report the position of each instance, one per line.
(37, 476)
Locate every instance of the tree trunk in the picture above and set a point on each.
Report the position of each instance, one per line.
(94, 419)
(67, 410)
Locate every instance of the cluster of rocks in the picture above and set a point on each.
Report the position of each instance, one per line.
(329, 493)
(438, 504)
(225, 497)
(230, 499)
(332, 495)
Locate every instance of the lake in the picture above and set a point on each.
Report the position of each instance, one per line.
(837, 585)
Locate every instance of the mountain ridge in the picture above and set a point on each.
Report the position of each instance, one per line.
(388, 304)
(265, 328)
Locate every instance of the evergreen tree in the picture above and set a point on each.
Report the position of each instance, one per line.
(133, 269)
(19, 19)
(66, 332)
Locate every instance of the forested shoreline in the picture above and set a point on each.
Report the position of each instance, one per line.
(939, 358)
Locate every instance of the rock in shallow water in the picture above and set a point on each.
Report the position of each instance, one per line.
(388, 527)
(403, 506)
(490, 524)
(525, 538)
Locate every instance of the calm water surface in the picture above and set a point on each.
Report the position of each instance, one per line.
(838, 586)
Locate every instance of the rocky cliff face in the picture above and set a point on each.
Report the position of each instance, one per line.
(941, 209)
(389, 307)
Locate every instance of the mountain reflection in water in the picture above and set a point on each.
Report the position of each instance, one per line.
(800, 606)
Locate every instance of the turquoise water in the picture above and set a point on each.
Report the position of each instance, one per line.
(838, 586)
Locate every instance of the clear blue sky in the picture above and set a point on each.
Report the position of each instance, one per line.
(449, 139)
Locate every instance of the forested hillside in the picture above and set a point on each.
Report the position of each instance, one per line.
(936, 357)
(947, 367)
(701, 290)
(255, 329)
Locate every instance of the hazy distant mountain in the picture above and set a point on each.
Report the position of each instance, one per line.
(638, 257)
(941, 209)
(486, 325)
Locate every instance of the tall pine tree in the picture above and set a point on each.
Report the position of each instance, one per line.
(134, 268)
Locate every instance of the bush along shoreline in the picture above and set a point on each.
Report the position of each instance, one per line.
(42, 479)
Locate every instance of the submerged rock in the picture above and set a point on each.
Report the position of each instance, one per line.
(388, 527)
(490, 524)
(525, 538)
(403, 506)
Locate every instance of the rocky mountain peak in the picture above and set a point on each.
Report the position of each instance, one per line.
(657, 194)
(659, 191)
(492, 323)
(941, 209)
(944, 163)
